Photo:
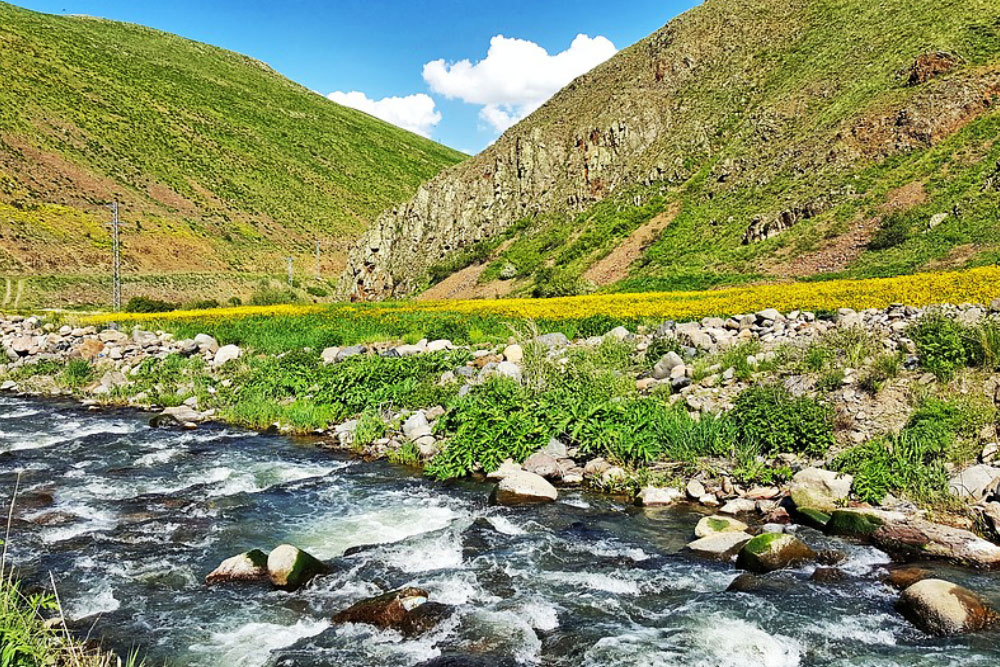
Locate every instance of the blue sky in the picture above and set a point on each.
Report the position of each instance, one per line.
(379, 49)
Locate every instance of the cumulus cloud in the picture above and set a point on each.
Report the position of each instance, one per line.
(416, 113)
(516, 77)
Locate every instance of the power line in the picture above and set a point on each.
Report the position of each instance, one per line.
(116, 261)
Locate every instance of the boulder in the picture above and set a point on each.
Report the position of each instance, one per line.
(513, 354)
(506, 468)
(552, 340)
(975, 483)
(87, 349)
(352, 351)
(22, 345)
(248, 566)
(711, 525)
(329, 355)
(523, 487)
(439, 345)
(388, 610)
(207, 343)
(225, 354)
(904, 577)
(658, 496)
(416, 426)
(720, 546)
(917, 538)
(820, 489)
(942, 608)
(666, 364)
(542, 464)
(853, 523)
(183, 416)
(291, 568)
(813, 518)
(424, 618)
(773, 551)
(739, 506)
(695, 490)
(508, 369)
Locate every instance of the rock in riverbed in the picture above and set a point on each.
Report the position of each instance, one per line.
(773, 551)
(388, 610)
(942, 608)
(719, 546)
(247, 566)
(710, 525)
(820, 489)
(523, 487)
(291, 568)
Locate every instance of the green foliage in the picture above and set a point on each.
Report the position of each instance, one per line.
(816, 357)
(78, 372)
(551, 281)
(831, 380)
(407, 455)
(943, 344)
(894, 231)
(370, 428)
(273, 296)
(142, 304)
(885, 367)
(316, 291)
(770, 420)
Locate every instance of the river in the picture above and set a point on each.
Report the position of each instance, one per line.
(129, 520)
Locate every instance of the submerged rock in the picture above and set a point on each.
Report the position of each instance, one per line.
(523, 487)
(904, 577)
(942, 608)
(388, 610)
(773, 551)
(291, 568)
(248, 566)
(656, 496)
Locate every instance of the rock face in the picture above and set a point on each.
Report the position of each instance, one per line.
(521, 486)
(773, 551)
(389, 610)
(291, 568)
(247, 566)
(820, 489)
(942, 608)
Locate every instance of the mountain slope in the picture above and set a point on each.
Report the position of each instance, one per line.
(220, 163)
(747, 139)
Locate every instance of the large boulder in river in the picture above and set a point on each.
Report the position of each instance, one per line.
(719, 546)
(524, 487)
(820, 489)
(860, 522)
(248, 566)
(922, 539)
(773, 551)
(710, 525)
(388, 610)
(942, 608)
(291, 568)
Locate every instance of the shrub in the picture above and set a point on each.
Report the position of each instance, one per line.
(772, 421)
(203, 304)
(884, 368)
(269, 296)
(659, 346)
(142, 304)
(894, 231)
(943, 345)
(407, 455)
(552, 282)
(78, 372)
(319, 292)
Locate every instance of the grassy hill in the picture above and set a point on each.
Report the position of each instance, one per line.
(747, 140)
(220, 163)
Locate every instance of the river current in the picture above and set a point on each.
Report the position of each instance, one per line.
(129, 520)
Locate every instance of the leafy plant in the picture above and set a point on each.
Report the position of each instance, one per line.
(78, 372)
(771, 420)
(943, 344)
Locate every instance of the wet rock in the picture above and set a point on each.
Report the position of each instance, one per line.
(942, 608)
(820, 489)
(719, 546)
(923, 539)
(290, 568)
(828, 575)
(773, 551)
(183, 416)
(710, 525)
(388, 610)
(424, 618)
(975, 483)
(523, 487)
(813, 518)
(656, 496)
(738, 506)
(247, 566)
(904, 577)
(757, 584)
(830, 556)
(469, 661)
(853, 523)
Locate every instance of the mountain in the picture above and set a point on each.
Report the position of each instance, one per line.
(221, 164)
(746, 140)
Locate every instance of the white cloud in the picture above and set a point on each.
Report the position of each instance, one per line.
(516, 77)
(415, 113)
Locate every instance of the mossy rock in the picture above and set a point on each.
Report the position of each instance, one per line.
(811, 517)
(248, 566)
(851, 523)
(290, 568)
(711, 525)
(773, 551)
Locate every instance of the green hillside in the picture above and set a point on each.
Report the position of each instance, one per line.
(747, 140)
(220, 163)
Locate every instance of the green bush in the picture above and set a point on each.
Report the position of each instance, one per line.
(142, 304)
(772, 421)
(943, 345)
(270, 296)
(894, 231)
(78, 372)
(370, 428)
(203, 304)
(319, 292)
(553, 282)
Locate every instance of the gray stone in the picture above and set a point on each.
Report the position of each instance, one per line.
(720, 546)
(351, 351)
(416, 426)
(226, 354)
(509, 369)
(975, 483)
(329, 355)
(522, 487)
(666, 364)
(552, 340)
(439, 345)
(657, 496)
(711, 525)
(542, 464)
(695, 489)
(820, 489)
(206, 343)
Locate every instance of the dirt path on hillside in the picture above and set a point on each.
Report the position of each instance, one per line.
(616, 264)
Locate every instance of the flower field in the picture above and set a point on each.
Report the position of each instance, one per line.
(980, 285)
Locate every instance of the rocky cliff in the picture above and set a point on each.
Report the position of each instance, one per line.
(754, 116)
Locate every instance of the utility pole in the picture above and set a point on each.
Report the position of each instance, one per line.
(291, 272)
(116, 260)
(319, 275)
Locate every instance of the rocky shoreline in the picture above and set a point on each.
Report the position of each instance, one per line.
(814, 496)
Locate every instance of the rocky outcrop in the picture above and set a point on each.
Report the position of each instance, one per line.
(942, 608)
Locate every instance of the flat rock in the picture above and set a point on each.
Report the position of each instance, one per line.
(721, 546)
(922, 539)
(773, 551)
(975, 483)
(524, 487)
(658, 496)
(711, 525)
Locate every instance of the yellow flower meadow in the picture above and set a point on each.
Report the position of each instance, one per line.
(980, 285)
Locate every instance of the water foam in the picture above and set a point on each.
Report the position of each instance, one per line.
(250, 645)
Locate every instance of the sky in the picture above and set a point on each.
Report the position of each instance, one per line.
(459, 72)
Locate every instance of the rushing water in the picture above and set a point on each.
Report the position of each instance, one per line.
(130, 519)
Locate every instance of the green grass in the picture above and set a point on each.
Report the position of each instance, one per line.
(210, 151)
